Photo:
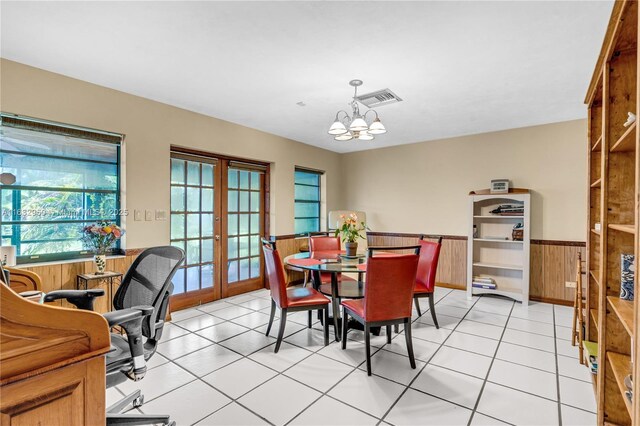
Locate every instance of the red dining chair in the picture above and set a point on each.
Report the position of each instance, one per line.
(290, 299)
(426, 277)
(321, 241)
(387, 299)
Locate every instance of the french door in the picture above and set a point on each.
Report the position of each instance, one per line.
(217, 218)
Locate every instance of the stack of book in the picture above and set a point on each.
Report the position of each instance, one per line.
(509, 210)
(484, 282)
(591, 355)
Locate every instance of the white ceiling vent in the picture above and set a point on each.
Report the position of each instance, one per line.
(378, 98)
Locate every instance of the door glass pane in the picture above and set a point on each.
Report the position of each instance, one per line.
(207, 174)
(244, 179)
(193, 173)
(207, 251)
(207, 200)
(193, 252)
(193, 199)
(193, 278)
(233, 179)
(207, 225)
(255, 267)
(193, 225)
(177, 198)
(243, 246)
(177, 171)
(255, 180)
(232, 273)
(244, 224)
(255, 223)
(207, 276)
(232, 224)
(232, 247)
(178, 282)
(232, 205)
(177, 226)
(244, 269)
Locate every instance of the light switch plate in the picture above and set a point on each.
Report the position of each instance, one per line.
(148, 215)
(137, 215)
(161, 215)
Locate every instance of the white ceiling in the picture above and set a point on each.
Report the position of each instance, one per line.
(461, 67)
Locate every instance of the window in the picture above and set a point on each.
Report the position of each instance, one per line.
(307, 201)
(65, 178)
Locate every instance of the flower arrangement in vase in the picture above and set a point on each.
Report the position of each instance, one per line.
(99, 238)
(349, 232)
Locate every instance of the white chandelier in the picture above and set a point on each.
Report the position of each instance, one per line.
(355, 126)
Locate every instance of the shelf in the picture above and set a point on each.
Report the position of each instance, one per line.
(621, 366)
(497, 217)
(627, 142)
(624, 310)
(513, 293)
(594, 318)
(491, 240)
(596, 184)
(623, 228)
(498, 266)
(597, 144)
(594, 276)
(595, 231)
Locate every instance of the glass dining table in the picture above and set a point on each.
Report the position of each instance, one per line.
(334, 263)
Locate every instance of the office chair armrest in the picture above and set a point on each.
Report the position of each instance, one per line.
(125, 317)
(131, 320)
(82, 299)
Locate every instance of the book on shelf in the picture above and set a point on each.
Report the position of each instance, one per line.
(591, 355)
(486, 286)
(483, 279)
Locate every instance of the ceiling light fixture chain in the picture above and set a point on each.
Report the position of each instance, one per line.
(355, 126)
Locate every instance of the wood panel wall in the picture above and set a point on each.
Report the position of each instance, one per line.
(552, 264)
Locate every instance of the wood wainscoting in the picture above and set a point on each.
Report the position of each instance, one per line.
(552, 263)
(63, 275)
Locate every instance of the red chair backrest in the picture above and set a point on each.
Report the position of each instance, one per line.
(389, 291)
(276, 276)
(428, 263)
(324, 243)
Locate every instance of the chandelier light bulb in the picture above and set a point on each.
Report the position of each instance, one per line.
(358, 124)
(377, 128)
(344, 137)
(337, 128)
(365, 136)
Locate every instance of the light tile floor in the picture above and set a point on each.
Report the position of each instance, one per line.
(491, 362)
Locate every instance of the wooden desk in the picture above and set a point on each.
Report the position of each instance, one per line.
(53, 367)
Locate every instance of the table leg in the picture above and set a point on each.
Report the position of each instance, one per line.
(334, 303)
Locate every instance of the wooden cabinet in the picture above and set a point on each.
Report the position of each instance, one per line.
(612, 185)
(53, 367)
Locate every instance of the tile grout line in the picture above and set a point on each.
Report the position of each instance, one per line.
(555, 345)
(408, 386)
(493, 359)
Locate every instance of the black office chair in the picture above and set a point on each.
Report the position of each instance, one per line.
(141, 304)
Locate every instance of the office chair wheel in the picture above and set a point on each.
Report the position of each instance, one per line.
(138, 401)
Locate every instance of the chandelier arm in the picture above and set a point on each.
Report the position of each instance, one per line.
(368, 111)
(346, 115)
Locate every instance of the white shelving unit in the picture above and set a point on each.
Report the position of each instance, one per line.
(506, 261)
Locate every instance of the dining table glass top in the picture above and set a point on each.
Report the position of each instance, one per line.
(328, 261)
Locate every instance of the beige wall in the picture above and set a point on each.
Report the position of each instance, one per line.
(423, 187)
(150, 128)
(411, 188)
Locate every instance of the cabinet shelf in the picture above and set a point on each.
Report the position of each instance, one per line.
(497, 217)
(624, 311)
(596, 184)
(498, 266)
(491, 240)
(595, 231)
(594, 275)
(630, 229)
(627, 142)
(594, 317)
(597, 144)
(621, 366)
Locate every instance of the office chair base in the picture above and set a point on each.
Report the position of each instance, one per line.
(114, 416)
(138, 419)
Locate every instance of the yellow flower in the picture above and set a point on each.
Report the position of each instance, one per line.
(107, 229)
